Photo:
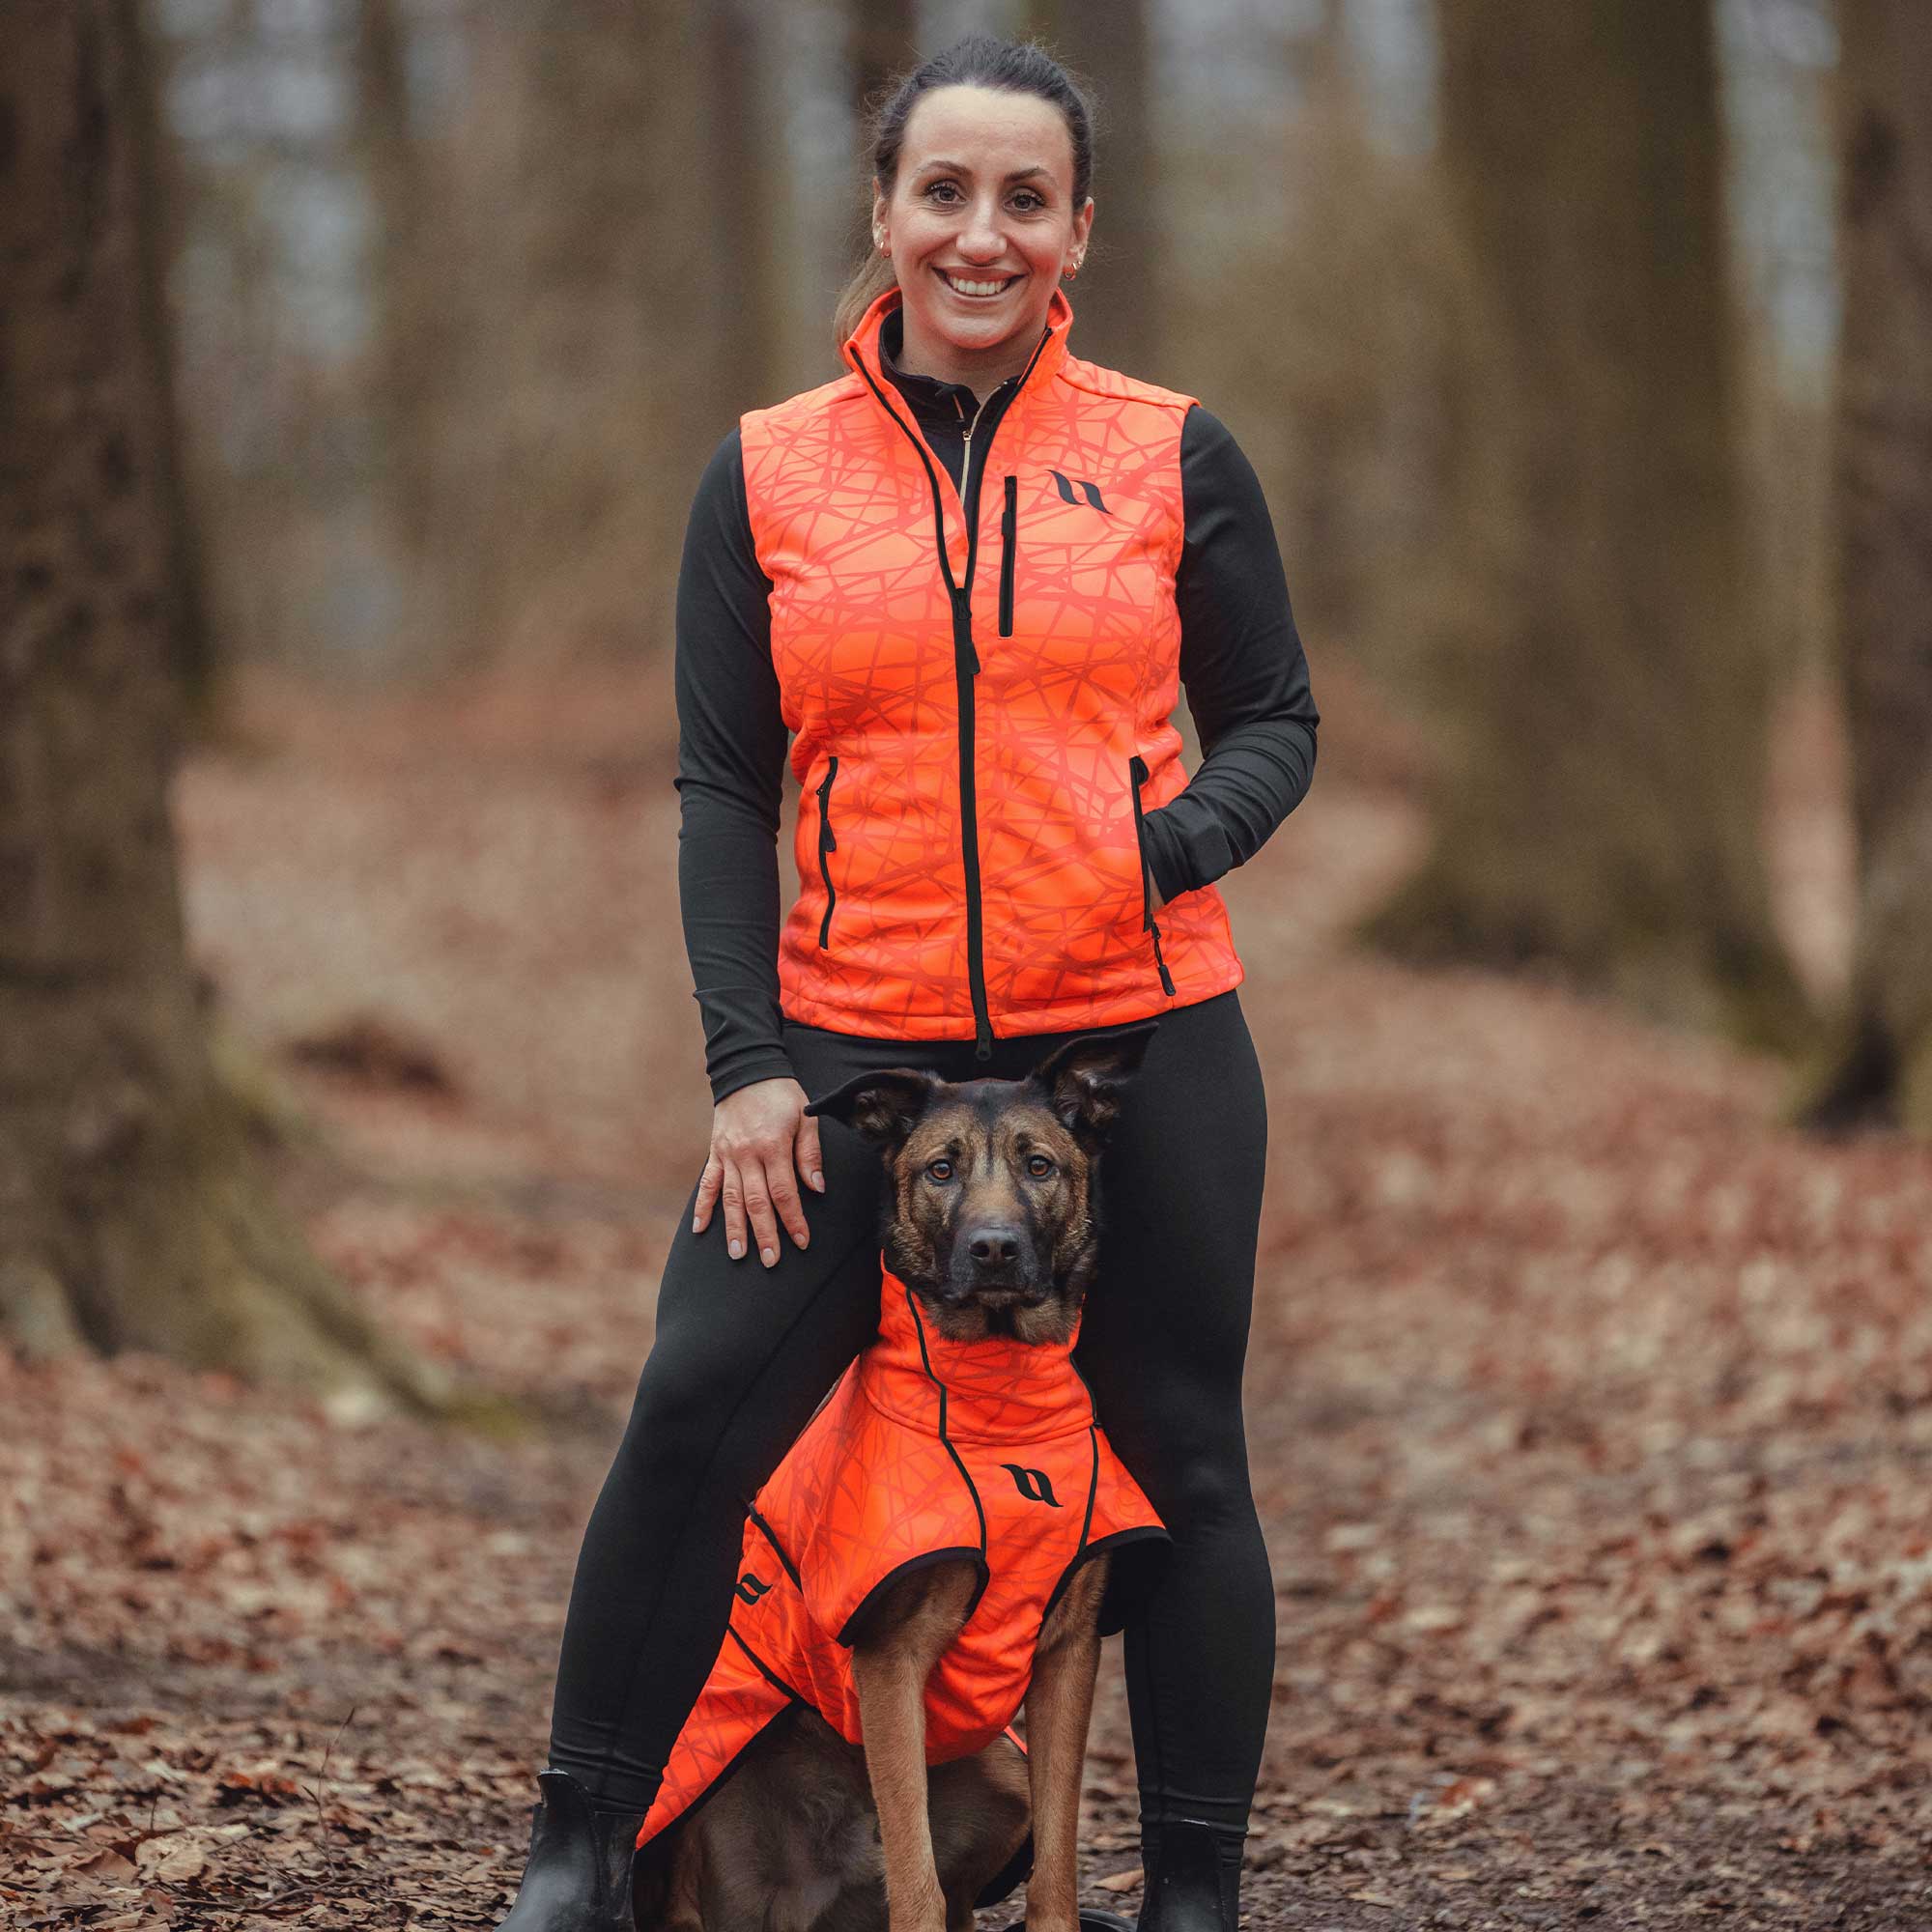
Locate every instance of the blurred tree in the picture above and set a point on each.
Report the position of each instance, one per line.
(195, 648)
(1880, 1070)
(749, 186)
(1116, 296)
(580, 259)
(131, 1215)
(883, 36)
(406, 308)
(1608, 737)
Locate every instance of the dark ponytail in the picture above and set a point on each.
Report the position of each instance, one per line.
(980, 60)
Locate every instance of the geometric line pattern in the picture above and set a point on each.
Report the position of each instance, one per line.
(842, 514)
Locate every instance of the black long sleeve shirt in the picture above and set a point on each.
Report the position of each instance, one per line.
(1241, 666)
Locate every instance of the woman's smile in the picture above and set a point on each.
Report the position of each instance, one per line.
(977, 288)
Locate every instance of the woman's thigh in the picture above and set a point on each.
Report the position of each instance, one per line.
(744, 1351)
(1164, 1337)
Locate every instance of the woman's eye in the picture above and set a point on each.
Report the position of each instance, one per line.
(939, 1169)
(1027, 200)
(1038, 1166)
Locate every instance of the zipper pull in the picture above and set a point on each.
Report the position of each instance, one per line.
(962, 632)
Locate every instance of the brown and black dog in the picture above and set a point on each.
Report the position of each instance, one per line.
(990, 1217)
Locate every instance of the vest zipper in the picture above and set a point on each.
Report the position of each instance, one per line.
(1009, 536)
(965, 668)
(827, 844)
(1137, 772)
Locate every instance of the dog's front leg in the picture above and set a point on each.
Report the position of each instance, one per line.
(1058, 1707)
(909, 1633)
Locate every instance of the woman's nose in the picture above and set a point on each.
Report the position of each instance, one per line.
(983, 237)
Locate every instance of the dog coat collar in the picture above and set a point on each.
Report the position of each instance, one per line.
(995, 1391)
(987, 1452)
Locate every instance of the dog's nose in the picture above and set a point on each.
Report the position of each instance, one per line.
(994, 1247)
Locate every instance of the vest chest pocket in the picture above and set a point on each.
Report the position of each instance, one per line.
(1137, 773)
(1010, 540)
(827, 845)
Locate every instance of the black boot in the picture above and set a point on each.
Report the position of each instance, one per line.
(579, 1875)
(1193, 1877)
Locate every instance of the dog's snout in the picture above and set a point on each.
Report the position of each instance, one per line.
(997, 1246)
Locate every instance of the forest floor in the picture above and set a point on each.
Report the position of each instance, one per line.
(1590, 1409)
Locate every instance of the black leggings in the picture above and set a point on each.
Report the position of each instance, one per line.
(744, 1352)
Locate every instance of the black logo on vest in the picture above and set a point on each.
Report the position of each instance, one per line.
(1032, 1484)
(751, 1587)
(1090, 491)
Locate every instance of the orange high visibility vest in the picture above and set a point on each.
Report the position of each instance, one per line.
(927, 1448)
(981, 691)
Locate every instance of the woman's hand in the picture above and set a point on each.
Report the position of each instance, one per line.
(756, 1134)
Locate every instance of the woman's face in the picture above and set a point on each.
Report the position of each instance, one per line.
(985, 196)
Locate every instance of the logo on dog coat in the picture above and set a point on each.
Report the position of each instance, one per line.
(1032, 1484)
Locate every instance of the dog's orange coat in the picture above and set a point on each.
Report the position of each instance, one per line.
(927, 1448)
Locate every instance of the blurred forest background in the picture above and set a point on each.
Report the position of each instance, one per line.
(357, 361)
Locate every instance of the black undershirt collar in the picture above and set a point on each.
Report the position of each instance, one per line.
(930, 395)
(943, 408)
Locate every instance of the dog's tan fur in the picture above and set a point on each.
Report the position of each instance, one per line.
(787, 1844)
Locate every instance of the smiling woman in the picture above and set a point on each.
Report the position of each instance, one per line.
(978, 244)
(960, 588)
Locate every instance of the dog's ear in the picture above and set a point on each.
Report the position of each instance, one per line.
(1087, 1079)
(883, 1106)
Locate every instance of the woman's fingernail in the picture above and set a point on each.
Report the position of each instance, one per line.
(696, 1227)
(818, 1180)
(737, 1250)
(770, 1255)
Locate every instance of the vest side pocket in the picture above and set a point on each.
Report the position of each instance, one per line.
(827, 844)
(1137, 773)
(1009, 539)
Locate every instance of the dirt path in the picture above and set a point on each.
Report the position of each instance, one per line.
(1591, 1415)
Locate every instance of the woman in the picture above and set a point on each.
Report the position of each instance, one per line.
(967, 575)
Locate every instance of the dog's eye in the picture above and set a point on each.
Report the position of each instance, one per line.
(939, 1169)
(1038, 1166)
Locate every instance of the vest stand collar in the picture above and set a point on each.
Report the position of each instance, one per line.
(862, 347)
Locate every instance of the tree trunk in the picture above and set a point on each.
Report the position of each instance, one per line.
(1608, 735)
(1118, 315)
(198, 657)
(130, 1215)
(883, 38)
(1881, 1063)
(586, 222)
(746, 302)
(393, 168)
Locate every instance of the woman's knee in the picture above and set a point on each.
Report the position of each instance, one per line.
(701, 1421)
(1194, 1479)
(679, 1415)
